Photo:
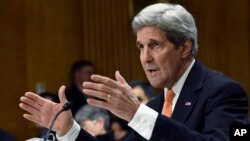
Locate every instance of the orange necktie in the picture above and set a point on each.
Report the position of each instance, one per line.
(167, 106)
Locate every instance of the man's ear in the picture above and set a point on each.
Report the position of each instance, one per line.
(186, 48)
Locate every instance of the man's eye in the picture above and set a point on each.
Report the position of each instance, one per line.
(140, 46)
(154, 44)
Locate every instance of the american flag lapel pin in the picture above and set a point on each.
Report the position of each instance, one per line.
(188, 104)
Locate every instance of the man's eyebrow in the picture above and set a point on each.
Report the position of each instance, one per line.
(138, 43)
(154, 40)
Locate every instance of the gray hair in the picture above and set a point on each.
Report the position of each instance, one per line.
(174, 19)
(88, 112)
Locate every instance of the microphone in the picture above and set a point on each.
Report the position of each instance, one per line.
(65, 107)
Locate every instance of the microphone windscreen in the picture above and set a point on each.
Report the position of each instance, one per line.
(67, 106)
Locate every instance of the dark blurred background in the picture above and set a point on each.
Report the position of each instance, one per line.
(40, 39)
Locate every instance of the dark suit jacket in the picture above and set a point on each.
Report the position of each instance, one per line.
(216, 103)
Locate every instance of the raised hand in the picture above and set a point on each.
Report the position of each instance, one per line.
(42, 111)
(115, 96)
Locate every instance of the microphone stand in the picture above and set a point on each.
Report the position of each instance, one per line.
(65, 107)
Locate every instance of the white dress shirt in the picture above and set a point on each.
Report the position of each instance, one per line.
(72, 134)
(144, 119)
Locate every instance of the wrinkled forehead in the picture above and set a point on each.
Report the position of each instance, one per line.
(150, 33)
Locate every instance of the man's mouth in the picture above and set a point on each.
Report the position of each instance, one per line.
(152, 71)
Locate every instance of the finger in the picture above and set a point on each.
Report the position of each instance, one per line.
(61, 93)
(30, 109)
(36, 98)
(99, 103)
(120, 78)
(104, 80)
(32, 118)
(97, 94)
(98, 87)
(28, 101)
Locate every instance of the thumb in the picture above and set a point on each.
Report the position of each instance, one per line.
(61, 94)
(120, 78)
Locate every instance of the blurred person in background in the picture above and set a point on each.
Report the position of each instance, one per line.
(95, 121)
(80, 72)
(120, 129)
(5, 136)
(143, 90)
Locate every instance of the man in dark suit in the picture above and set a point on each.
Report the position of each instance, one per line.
(197, 104)
(80, 72)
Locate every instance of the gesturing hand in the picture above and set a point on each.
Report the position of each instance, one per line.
(115, 96)
(42, 111)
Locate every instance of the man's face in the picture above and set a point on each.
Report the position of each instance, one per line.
(118, 131)
(84, 74)
(139, 92)
(94, 127)
(160, 59)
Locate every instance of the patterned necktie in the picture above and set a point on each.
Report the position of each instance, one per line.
(167, 106)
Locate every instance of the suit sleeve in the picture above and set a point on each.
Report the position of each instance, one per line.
(225, 106)
(76, 133)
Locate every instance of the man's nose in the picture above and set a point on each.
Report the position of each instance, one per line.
(146, 55)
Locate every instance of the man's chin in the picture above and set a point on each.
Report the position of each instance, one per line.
(155, 84)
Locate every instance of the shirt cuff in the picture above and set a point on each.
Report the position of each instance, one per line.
(143, 121)
(71, 135)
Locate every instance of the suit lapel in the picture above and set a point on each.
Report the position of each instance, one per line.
(184, 106)
(188, 98)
